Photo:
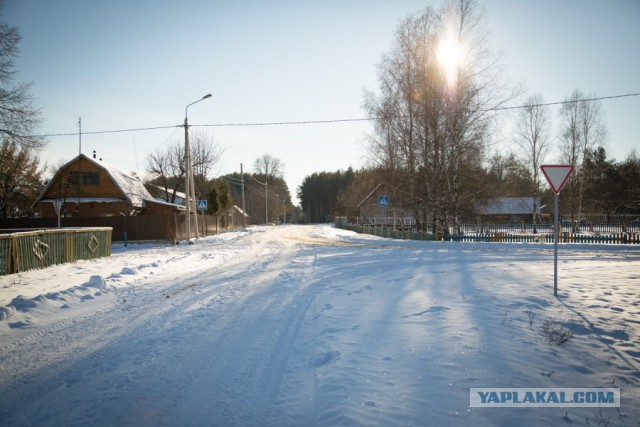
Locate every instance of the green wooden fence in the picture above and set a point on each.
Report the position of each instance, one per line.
(31, 250)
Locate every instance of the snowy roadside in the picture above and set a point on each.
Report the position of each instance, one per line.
(63, 286)
(318, 326)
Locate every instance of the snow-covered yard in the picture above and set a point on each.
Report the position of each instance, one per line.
(311, 325)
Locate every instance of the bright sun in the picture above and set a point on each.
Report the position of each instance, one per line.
(450, 55)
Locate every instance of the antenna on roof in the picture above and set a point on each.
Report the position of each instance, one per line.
(79, 135)
(135, 153)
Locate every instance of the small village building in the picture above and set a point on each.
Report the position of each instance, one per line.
(387, 206)
(89, 187)
(514, 209)
(232, 217)
(158, 192)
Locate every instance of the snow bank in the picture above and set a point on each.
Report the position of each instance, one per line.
(318, 326)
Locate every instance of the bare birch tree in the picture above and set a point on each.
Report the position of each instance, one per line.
(570, 147)
(582, 130)
(593, 134)
(439, 87)
(532, 138)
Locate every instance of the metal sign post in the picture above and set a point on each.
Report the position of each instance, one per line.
(557, 176)
(57, 205)
(556, 235)
(383, 202)
(201, 206)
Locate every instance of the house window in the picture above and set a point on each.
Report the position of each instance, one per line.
(84, 178)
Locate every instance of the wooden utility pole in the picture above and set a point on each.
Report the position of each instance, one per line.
(244, 213)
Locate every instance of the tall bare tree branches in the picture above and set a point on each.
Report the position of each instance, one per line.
(18, 114)
(531, 135)
(205, 154)
(269, 167)
(439, 87)
(166, 166)
(582, 130)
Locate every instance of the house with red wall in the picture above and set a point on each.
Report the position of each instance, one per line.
(89, 187)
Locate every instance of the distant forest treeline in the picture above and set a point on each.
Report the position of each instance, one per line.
(612, 188)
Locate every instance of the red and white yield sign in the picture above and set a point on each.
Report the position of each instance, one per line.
(556, 175)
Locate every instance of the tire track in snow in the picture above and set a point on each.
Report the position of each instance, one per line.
(91, 341)
(240, 384)
(16, 363)
(58, 389)
(91, 337)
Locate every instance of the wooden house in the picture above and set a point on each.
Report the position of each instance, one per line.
(89, 187)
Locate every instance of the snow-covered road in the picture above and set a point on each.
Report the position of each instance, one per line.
(311, 325)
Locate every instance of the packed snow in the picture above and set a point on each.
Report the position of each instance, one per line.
(317, 326)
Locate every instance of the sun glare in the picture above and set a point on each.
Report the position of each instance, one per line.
(450, 55)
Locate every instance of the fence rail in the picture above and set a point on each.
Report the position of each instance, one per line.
(583, 227)
(565, 237)
(169, 228)
(500, 236)
(565, 226)
(22, 251)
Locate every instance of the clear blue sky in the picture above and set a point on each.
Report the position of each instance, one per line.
(124, 64)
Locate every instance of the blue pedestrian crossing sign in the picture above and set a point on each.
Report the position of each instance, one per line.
(201, 205)
(383, 201)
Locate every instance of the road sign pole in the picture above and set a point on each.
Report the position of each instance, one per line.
(555, 247)
(557, 176)
(57, 205)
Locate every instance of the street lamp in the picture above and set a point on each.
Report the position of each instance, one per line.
(188, 179)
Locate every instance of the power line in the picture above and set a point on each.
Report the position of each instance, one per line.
(237, 182)
(572, 101)
(330, 121)
(365, 119)
(303, 122)
(108, 131)
(231, 179)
